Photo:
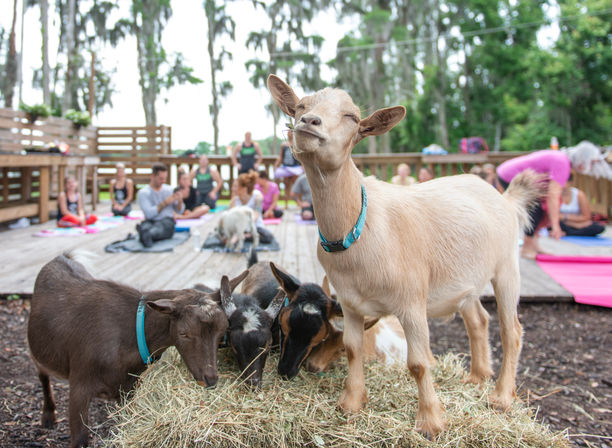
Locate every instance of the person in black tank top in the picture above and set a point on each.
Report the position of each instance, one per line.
(250, 155)
(209, 182)
(191, 198)
(122, 192)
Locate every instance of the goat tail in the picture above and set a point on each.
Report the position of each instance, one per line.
(525, 190)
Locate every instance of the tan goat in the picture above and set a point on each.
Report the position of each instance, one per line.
(427, 250)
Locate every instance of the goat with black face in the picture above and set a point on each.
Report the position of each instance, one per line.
(304, 321)
(249, 330)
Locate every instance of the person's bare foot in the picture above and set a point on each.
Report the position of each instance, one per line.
(529, 254)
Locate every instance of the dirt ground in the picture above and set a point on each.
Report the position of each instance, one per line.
(564, 372)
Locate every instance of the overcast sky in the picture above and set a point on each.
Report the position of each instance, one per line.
(185, 108)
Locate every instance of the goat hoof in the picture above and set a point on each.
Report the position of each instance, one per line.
(48, 420)
(430, 427)
(476, 378)
(351, 404)
(500, 401)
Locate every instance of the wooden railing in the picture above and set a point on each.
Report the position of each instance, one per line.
(384, 166)
(137, 147)
(30, 182)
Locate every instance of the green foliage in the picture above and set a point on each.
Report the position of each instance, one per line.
(79, 118)
(204, 148)
(35, 111)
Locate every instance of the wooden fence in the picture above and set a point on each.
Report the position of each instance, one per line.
(30, 182)
(137, 147)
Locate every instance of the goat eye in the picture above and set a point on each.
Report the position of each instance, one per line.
(352, 117)
(184, 335)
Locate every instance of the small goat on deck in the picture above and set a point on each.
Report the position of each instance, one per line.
(427, 250)
(85, 330)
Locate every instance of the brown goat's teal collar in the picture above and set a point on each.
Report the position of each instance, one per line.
(354, 234)
(140, 333)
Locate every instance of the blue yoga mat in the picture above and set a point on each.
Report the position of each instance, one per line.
(589, 241)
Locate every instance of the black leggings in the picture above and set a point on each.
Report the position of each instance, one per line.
(536, 212)
(161, 229)
(592, 230)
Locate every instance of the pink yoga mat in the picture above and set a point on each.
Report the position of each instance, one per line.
(588, 278)
(272, 221)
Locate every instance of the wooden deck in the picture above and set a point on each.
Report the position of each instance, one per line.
(23, 255)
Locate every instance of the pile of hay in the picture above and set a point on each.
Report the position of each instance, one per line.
(169, 409)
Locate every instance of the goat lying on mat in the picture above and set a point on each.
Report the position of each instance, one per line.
(427, 250)
(87, 331)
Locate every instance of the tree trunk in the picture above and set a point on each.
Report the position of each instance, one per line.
(44, 19)
(498, 132)
(441, 84)
(23, 10)
(214, 108)
(11, 63)
(70, 22)
(148, 59)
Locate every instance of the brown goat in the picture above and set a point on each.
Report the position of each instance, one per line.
(84, 330)
(418, 252)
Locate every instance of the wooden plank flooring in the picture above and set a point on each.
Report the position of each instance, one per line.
(22, 256)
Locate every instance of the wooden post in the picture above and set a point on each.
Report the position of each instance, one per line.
(43, 198)
(94, 187)
(26, 183)
(5, 185)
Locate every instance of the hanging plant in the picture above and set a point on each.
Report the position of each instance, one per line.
(35, 111)
(78, 118)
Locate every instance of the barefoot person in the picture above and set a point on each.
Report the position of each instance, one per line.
(159, 202)
(556, 165)
(191, 198)
(70, 211)
(122, 192)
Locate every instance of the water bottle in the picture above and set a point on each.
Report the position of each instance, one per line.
(196, 240)
(554, 143)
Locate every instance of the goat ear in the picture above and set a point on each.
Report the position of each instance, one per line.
(325, 286)
(236, 280)
(335, 309)
(164, 306)
(226, 297)
(380, 121)
(370, 322)
(276, 304)
(283, 95)
(289, 283)
(216, 295)
(337, 323)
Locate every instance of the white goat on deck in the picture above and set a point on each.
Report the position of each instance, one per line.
(426, 250)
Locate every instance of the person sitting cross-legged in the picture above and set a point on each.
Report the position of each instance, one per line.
(575, 213)
(158, 202)
(70, 211)
(191, 199)
(122, 192)
(271, 193)
(302, 195)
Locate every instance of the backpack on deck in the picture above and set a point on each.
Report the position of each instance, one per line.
(473, 145)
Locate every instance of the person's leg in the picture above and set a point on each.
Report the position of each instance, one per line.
(308, 213)
(90, 219)
(265, 236)
(288, 181)
(69, 220)
(144, 232)
(208, 201)
(593, 229)
(196, 213)
(123, 212)
(530, 245)
(162, 229)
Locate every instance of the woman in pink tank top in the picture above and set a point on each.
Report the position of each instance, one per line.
(556, 165)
